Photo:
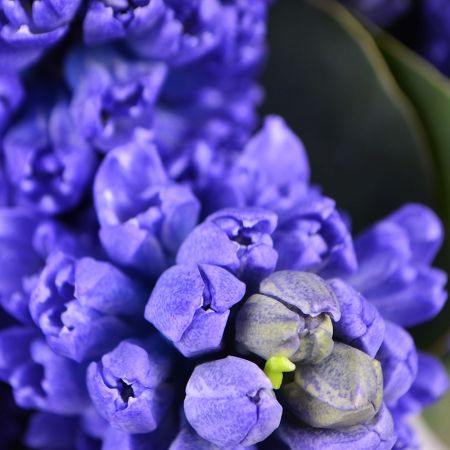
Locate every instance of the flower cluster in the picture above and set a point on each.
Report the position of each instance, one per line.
(171, 279)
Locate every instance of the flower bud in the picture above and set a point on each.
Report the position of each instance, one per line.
(128, 386)
(144, 216)
(78, 303)
(190, 305)
(237, 239)
(230, 402)
(290, 317)
(343, 390)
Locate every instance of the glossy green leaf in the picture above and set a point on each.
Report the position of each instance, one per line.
(327, 77)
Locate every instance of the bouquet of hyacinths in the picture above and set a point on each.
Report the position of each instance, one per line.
(170, 278)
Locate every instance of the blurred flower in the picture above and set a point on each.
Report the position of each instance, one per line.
(48, 163)
(394, 273)
(129, 387)
(342, 390)
(39, 377)
(290, 317)
(190, 305)
(271, 171)
(313, 236)
(27, 30)
(144, 216)
(78, 303)
(230, 402)
(113, 96)
(11, 96)
(237, 239)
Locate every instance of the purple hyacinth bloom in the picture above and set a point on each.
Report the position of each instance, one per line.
(108, 20)
(48, 163)
(113, 96)
(187, 439)
(343, 390)
(79, 305)
(360, 325)
(313, 236)
(272, 171)
(26, 30)
(382, 12)
(144, 216)
(377, 434)
(190, 306)
(290, 317)
(398, 358)
(47, 381)
(129, 387)
(11, 95)
(25, 242)
(230, 402)
(186, 31)
(237, 239)
(394, 272)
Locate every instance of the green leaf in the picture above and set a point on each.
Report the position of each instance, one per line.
(429, 91)
(327, 77)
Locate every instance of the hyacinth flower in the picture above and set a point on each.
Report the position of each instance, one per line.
(394, 273)
(11, 96)
(271, 171)
(144, 216)
(25, 242)
(178, 32)
(49, 165)
(290, 316)
(376, 434)
(314, 237)
(27, 30)
(237, 239)
(81, 305)
(39, 377)
(129, 385)
(230, 402)
(190, 306)
(112, 95)
(186, 31)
